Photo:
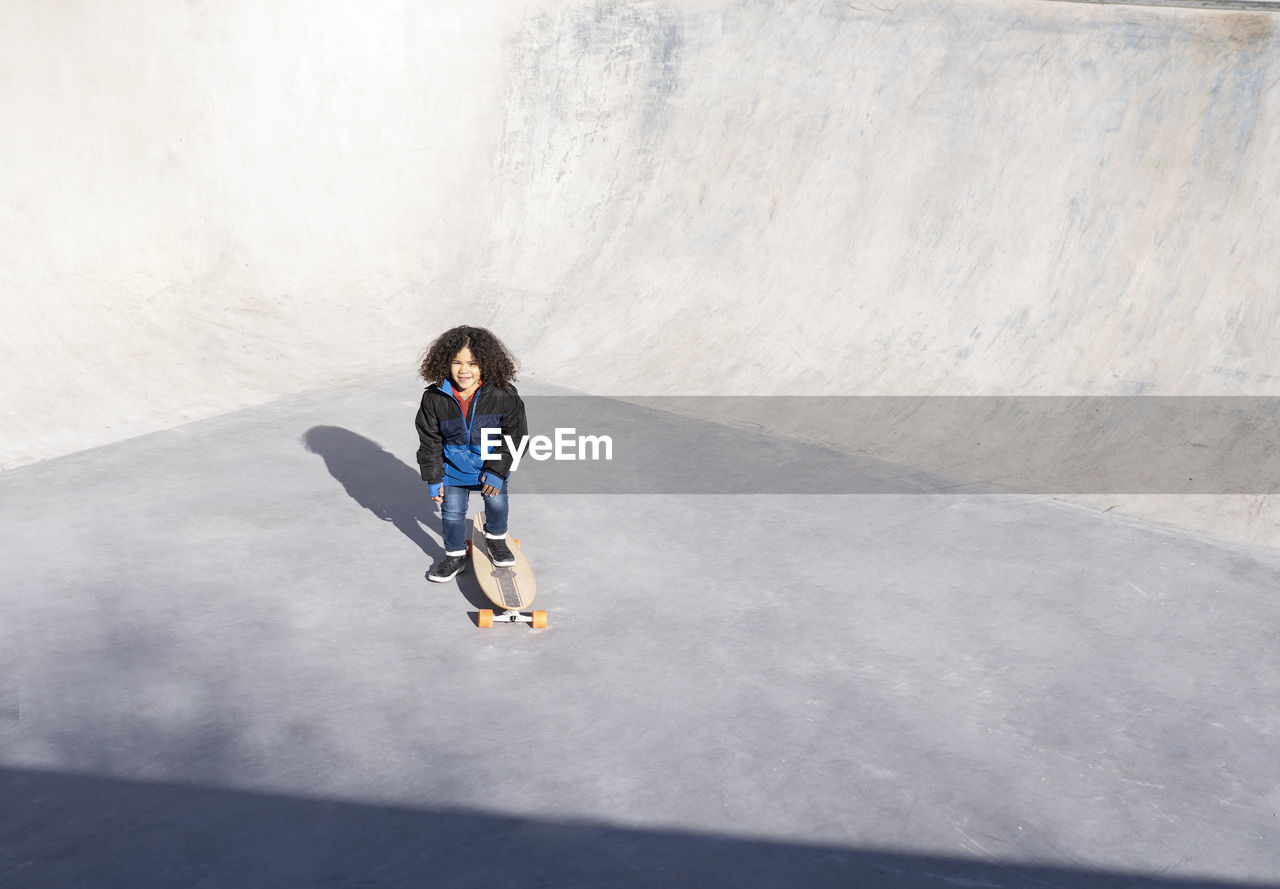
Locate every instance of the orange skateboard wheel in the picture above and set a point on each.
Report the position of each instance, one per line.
(516, 541)
(485, 618)
(468, 546)
(539, 620)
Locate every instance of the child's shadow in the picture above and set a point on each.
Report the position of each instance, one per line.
(376, 480)
(390, 489)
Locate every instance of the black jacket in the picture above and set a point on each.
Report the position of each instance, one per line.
(449, 447)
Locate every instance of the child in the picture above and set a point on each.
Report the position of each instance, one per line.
(471, 372)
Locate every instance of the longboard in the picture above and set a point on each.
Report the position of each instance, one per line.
(511, 588)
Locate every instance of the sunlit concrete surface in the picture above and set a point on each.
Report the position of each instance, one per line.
(226, 232)
(1213, 5)
(208, 206)
(234, 670)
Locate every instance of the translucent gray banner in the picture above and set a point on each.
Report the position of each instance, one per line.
(901, 445)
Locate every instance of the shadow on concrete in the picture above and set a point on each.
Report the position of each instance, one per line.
(391, 490)
(64, 830)
(469, 586)
(378, 481)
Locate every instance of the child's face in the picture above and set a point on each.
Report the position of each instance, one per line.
(464, 370)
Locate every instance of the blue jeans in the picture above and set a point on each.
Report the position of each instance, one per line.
(453, 515)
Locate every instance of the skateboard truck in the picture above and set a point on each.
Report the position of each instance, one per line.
(486, 617)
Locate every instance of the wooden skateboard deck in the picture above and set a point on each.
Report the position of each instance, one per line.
(511, 587)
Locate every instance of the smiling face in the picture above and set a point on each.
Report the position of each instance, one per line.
(464, 372)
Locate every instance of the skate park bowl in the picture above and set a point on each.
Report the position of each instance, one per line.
(981, 200)
(938, 344)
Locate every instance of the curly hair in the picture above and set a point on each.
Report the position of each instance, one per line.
(497, 364)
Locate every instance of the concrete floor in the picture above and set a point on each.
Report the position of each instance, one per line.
(231, 671)
(768, 664)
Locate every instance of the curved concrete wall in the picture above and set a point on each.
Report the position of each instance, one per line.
(205, 206)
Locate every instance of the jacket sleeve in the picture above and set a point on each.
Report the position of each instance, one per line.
(515, 427)
(430, 450)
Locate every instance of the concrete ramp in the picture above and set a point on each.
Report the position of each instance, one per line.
(925, 252)
(209, 207)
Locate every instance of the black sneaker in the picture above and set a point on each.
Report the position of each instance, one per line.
(447, 568)
(499, 553)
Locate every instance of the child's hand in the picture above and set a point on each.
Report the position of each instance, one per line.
(489, 490)
(439, 498)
